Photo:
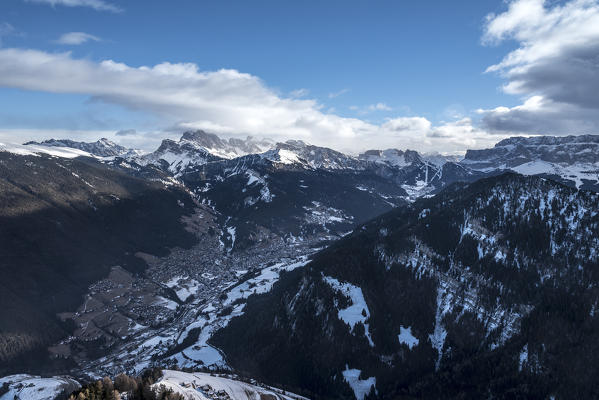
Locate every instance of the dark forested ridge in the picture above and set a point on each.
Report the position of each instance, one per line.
(488, 289)
(63, 224)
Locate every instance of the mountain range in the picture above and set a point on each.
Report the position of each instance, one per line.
(386, 274)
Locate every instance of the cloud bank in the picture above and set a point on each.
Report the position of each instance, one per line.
(555, 67)
(99, 5)
(225, 101)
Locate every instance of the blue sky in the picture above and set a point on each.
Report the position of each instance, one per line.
(373, 62)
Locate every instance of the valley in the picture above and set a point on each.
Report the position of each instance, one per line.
(284, 262)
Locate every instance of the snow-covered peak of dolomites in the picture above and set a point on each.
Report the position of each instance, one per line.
(101, 148)
(392, 157)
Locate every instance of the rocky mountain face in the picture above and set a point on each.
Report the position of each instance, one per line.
(257, 196)
(391, 157)
(518, 150)
(572, 160)
(487, 289)
(227, 148)
(297, 191)
(195, 148)
(100, 148)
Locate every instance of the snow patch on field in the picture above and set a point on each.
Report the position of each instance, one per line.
(419, 189)
(406, 337)
(183, 286)
(439, 334)
(28, 387)
(523, 357)
(231, 231)
(360, 387)
(575, 172)
(357, 311)
(171, 305)
(262, 283)
(202, 386)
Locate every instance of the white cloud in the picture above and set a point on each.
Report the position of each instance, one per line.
(379, 107)
(226, 102)
(5, 30)
(540, 116)
(555, 67)
(99, 5)
(405, 125)
(337, 94)
(363, 110)
(76, 38)
(448, 137)
(299, 93)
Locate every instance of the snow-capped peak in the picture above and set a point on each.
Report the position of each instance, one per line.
(101, 148)
(573, 158)
(294, 151)
(392, 157)
(281, 156)
(225, 148)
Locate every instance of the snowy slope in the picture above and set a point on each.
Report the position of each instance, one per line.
(392, 157)
(464, 279)
(29, 387)
(202, 386)
(33, 150)
(101, 148)
(570, 159)
(196, 148)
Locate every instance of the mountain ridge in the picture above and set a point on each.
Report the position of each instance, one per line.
(467, 297)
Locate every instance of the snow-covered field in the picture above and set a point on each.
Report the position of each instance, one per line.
(34, 150)
(357, 311)
(203, 386)
(361, 387)
(29, 387)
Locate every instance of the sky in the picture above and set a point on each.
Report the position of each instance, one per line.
(434, 76)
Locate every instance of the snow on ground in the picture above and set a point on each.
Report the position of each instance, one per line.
(523, 357)
(202, 386)
(574, 172)
(252, 178)
(390, 156)
(177, 162)
(263, 282)
(439, 334)
(255, 178)
(183, 286)
(322, 215)
(534, 167)
(281, 156)
(360, 387)
(28, 387)
(418, 190)
(201, 353)
(171, 305)
(406, 337)
(231, 230)
(357, 311)
(34, 150)
(154, 341)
